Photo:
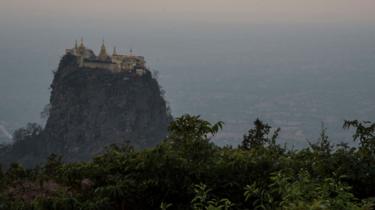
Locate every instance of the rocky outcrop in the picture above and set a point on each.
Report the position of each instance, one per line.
(94, 108)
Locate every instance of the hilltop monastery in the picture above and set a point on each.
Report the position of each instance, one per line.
(115, 62)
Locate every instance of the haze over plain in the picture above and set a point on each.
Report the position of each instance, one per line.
(292, 63)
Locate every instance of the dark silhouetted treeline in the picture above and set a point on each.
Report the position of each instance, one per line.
(188, 171)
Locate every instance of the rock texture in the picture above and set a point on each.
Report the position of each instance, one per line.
(94, 108)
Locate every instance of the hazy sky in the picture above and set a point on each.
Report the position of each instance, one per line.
(279, 48)
(191, 10)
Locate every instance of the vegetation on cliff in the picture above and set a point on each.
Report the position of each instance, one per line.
(188, 171)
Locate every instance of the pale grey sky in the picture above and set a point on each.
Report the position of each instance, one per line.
(252, 11)
(312, 61)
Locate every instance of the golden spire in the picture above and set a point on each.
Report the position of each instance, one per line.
(103, 43)
(103, 52)
(81, 45)
(102, 48)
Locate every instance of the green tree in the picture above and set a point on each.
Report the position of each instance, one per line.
(15, 172)
(322, 145)
(190, 136)
(259, 136)
(203, 201)
(364, 133)
(192, 128)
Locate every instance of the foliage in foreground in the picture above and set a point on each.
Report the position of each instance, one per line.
(188, 171)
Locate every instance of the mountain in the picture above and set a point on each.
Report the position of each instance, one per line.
(91, 108)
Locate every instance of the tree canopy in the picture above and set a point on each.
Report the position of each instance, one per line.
(188, 171)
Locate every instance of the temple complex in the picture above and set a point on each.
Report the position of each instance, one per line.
(115, 62)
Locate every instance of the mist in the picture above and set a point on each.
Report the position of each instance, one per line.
(292, 74)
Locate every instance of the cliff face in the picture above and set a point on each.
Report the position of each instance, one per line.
(94, 108)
